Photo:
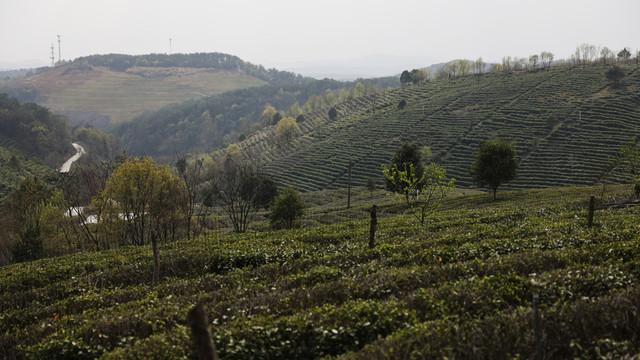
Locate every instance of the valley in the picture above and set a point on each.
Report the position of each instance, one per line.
(179, 205)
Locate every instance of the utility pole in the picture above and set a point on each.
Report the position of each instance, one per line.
(169, 46)
(349, 188)
(59, 52)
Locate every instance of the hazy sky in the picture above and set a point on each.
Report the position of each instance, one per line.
(277, 32)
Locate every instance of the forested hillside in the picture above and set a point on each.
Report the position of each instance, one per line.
(15, 166)
(36, 142)
(204, 125)
(566, 123)
(35, 130)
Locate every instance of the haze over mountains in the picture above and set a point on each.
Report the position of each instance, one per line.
(379, 65)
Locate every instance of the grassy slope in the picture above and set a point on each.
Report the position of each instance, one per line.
(565, 122)
(459, 289)
(125, 95)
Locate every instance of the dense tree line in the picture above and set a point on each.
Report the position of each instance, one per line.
(218, 61)
(584, 54)
(127, 201)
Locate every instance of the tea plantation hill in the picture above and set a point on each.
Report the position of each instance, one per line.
(566, 123)
(115, 88)
(461, 288)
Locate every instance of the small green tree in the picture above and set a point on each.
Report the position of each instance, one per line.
(286, 208)
(238, 190)
(624, 55)
(31, 219)
(628, 159)
(495, 163)
(276, 118)
(140, 197)
(286, 130)
(405, 78)
(371, 185)
(333, 114)
(615, 74)
(407, 158)
(430, 188)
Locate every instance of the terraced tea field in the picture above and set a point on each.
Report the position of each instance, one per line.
(566, 124)
(124, 95)
(463, 287)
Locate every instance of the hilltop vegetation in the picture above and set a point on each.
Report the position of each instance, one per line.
(566, 123)
(463, 288)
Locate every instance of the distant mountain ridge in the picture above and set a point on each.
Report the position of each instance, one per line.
(107, 89)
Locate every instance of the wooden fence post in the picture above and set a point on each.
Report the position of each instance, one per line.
(205, 348)
(374, 225)
(156, 259)
(349, 187)
(592, 205)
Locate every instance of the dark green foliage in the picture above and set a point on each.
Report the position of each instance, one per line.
(100, 145)
(15, 166)
(495, 164)
(276, 118)
(406, 78)
(21, 222)
(371, 185)
(14, 162)
(401, 104)
(624, 54)
(267, 191)
(333, 114)
(408, 154)
(29, 246)
(300, 118)
(615, 74)
(287, 207)
(35, 130)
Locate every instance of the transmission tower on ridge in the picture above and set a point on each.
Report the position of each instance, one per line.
(53, 58)
(59, 53)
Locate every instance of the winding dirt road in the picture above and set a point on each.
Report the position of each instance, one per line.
(67, 165)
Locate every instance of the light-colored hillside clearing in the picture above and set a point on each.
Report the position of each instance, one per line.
(125, 95)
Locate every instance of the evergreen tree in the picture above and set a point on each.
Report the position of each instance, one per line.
(495, 163)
